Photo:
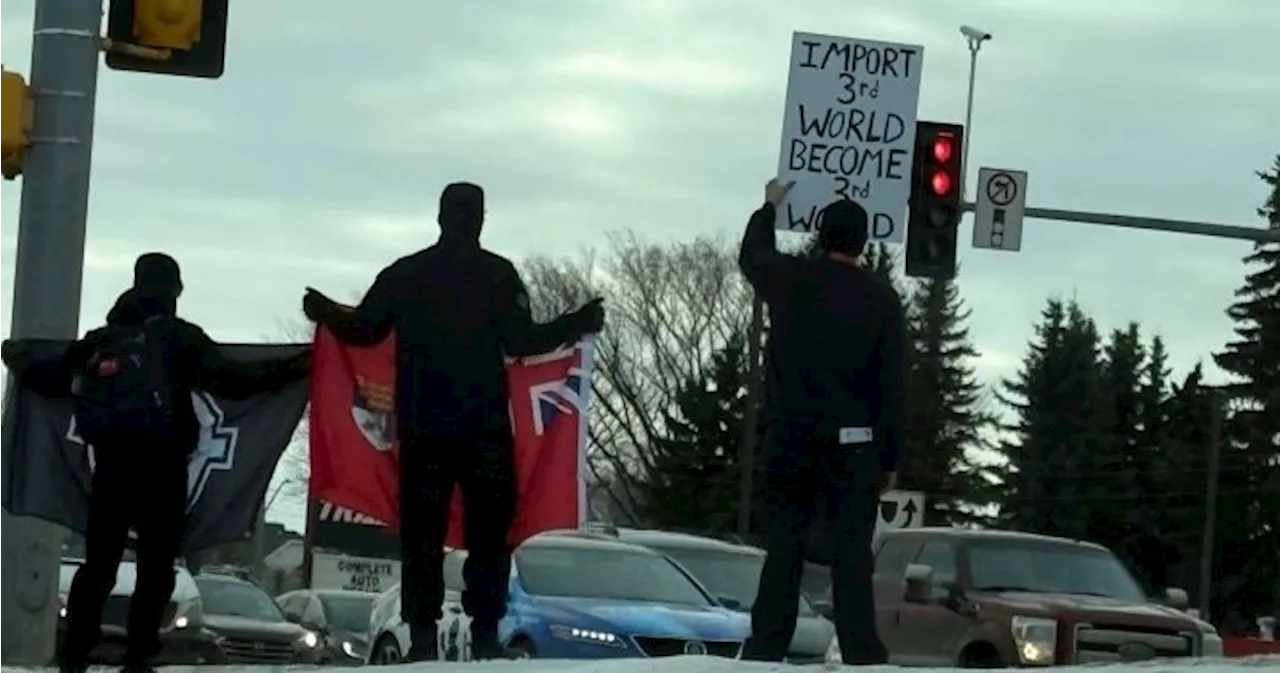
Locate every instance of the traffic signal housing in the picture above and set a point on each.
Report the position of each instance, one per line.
(16, 123)
(934, 220)
(193, 32)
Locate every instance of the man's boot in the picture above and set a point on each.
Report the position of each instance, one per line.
(762, 649)
(485, 645)
(137, 664)
(424, 643)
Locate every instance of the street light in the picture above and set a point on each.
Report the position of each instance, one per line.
(975, 37)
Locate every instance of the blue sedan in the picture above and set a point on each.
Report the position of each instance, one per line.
(581, 597)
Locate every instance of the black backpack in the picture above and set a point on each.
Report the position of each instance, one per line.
(127, 383)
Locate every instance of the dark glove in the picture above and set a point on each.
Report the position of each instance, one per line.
(316, 306)
(591, 316)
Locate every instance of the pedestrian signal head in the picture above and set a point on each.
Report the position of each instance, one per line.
(16, 123)
(167, 24)
(935, 200)
(179, 37)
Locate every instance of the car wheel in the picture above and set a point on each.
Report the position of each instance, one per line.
(523, 648)
(386, 652)
(980, 655)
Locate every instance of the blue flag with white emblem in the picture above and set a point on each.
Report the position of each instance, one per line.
(47, 468)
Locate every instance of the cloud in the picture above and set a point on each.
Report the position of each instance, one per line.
(319, 156)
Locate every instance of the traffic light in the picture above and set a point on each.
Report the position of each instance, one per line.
(935, 200)
(16, 123)
(192, 32)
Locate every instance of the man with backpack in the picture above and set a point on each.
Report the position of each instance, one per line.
(130, 382)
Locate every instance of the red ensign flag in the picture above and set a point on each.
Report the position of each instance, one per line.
(354, 454)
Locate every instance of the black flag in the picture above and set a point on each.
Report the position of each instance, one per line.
(47, 467)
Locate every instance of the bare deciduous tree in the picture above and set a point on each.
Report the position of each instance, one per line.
(668, 308)
(294, 469)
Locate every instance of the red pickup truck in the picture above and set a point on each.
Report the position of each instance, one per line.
(994, 599)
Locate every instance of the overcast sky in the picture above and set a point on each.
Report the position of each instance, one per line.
(318, 157)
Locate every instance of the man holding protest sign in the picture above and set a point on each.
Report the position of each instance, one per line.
(835, 370)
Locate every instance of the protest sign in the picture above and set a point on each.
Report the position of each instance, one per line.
(849, 130)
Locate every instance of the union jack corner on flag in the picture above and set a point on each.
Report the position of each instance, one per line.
(354, 456)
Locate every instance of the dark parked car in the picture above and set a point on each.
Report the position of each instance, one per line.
(993, 599)
(252, 627)
(341, 618)
(731, 572)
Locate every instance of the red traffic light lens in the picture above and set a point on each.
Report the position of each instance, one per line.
(942, 150)
(941, 183)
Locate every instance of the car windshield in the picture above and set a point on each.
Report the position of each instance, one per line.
(604, 572)
(726, 574)
(349, 613)
(234, 599)
(1051, 567)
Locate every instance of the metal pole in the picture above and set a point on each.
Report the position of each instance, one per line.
(49, 267)
(260, 528)
(1210, 504)
(1255, 234)
(750, 416)
(974, 46)
(308, 538)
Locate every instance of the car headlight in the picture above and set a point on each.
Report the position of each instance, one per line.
(62, 606)
(594, 637)
(1036, 639)
(309, 640)
(188, 613)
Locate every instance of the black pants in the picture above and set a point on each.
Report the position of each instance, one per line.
(139, 482)
(430, 467)
(799, 474)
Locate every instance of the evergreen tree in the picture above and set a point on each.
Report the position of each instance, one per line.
(1062, 422)
(944, 411)
(1155, 547)
(1115, 464)
(1152, 418)
(693, 476)
(1249, 526)
(1176, 487)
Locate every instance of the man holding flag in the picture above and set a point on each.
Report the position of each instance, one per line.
(457, 311)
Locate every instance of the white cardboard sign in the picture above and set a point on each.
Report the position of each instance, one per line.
(849, 130)
(353, 573)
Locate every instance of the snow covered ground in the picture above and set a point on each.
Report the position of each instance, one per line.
(712, 665)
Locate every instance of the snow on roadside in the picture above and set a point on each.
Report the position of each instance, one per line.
(700, 665)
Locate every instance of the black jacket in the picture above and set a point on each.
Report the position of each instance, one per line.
(198, 364)
(457, 310)
(836, 352)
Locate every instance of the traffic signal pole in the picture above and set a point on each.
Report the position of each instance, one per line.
(1152, 224)
(49, 268)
